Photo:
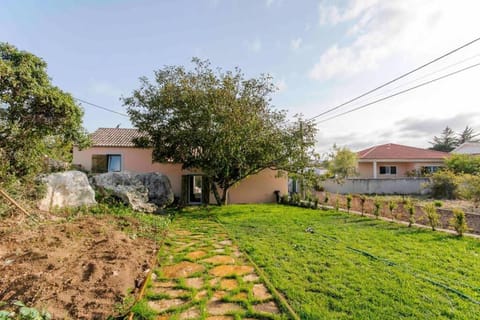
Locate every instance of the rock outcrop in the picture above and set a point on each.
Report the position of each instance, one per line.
(146, 192)
(66, 189)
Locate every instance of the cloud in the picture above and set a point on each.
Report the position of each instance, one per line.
(254, 46)
(296, 43)
(269, 3)
(429, 127)
(382, 30)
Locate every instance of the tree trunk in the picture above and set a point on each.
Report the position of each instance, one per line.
(215, 193)
(225, 196)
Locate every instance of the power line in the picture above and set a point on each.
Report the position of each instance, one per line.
(400, 92)
(421, 78)
(396, 79)
(101, 107)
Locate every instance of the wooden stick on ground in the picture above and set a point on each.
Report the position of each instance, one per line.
(12, 201)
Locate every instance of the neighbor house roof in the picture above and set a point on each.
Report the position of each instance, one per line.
(114, 137)
(468, 148)
(399, 152)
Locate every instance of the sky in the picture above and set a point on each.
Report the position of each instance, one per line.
(320, 54)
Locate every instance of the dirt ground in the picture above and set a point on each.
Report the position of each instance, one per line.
(79, 269)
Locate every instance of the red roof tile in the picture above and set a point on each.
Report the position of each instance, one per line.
(115, 137)
(397, 151)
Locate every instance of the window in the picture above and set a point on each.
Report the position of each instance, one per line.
(388, 170)
(114, 163)
(430, 169)
(106, 163)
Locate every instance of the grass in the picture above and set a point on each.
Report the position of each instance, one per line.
(351, 267)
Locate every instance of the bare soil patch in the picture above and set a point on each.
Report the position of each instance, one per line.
(78, 269)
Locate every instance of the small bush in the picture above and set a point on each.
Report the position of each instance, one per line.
(438, 203)
(444, 185)
(432, 215)
(377, 203)
(410, 207)
(349, 202)
(295, 199)
(392, 205)
(337, 203)
(363, 198)
(470, 188)
(325, 200)
(285, 199)
(459, 221)
(314, 202)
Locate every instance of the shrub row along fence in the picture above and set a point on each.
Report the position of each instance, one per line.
(401, 213)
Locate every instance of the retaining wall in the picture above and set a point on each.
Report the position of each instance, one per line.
(446, 215)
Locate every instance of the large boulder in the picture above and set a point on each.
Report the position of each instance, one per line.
(159, 188)
(66, 189)
(147, 192)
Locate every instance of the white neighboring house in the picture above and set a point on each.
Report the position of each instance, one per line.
(472, 148)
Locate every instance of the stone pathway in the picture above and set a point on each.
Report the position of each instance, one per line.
(203, 275)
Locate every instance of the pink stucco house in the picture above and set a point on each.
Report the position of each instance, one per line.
(391, 160)
(112, 149)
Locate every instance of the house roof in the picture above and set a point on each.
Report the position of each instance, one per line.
(400, 152)
(468, 148)
(114, 137)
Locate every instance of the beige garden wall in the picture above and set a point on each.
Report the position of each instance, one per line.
(258, 188)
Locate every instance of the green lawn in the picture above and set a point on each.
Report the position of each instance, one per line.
(358, 268)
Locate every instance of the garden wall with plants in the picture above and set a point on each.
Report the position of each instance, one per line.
(400, 210)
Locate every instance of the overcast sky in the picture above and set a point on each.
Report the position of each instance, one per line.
(321, 53)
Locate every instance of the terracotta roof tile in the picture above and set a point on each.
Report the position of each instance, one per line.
(397, 151)
(115, 137)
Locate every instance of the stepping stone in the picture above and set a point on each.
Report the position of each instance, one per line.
(218, 308)
(260, 292)
(220, 318)
(269, 307)
(218, 295)
(237, 253)
(165, 304)
(226, 243)
(182, 269)
(192, 313)
(196, 283)
(251, 278)
(228, 284)
(182, 232)
(240, 296)
(228, 270)
(196, 255)
(181, 248)
(221, 250)
(201, 295)
(173, 293)
(163, 284)
(162, 318)
(220, 260)
(214, 282)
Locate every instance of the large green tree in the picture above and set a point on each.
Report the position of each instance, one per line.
(33, 113)
(218, 122)
(467, 135)
(341, 163)
(446, 142)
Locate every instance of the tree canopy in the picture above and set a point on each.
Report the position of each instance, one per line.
(446, 142)
(33, 113)
(218, 122)
(341, 163)
(449, 140)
